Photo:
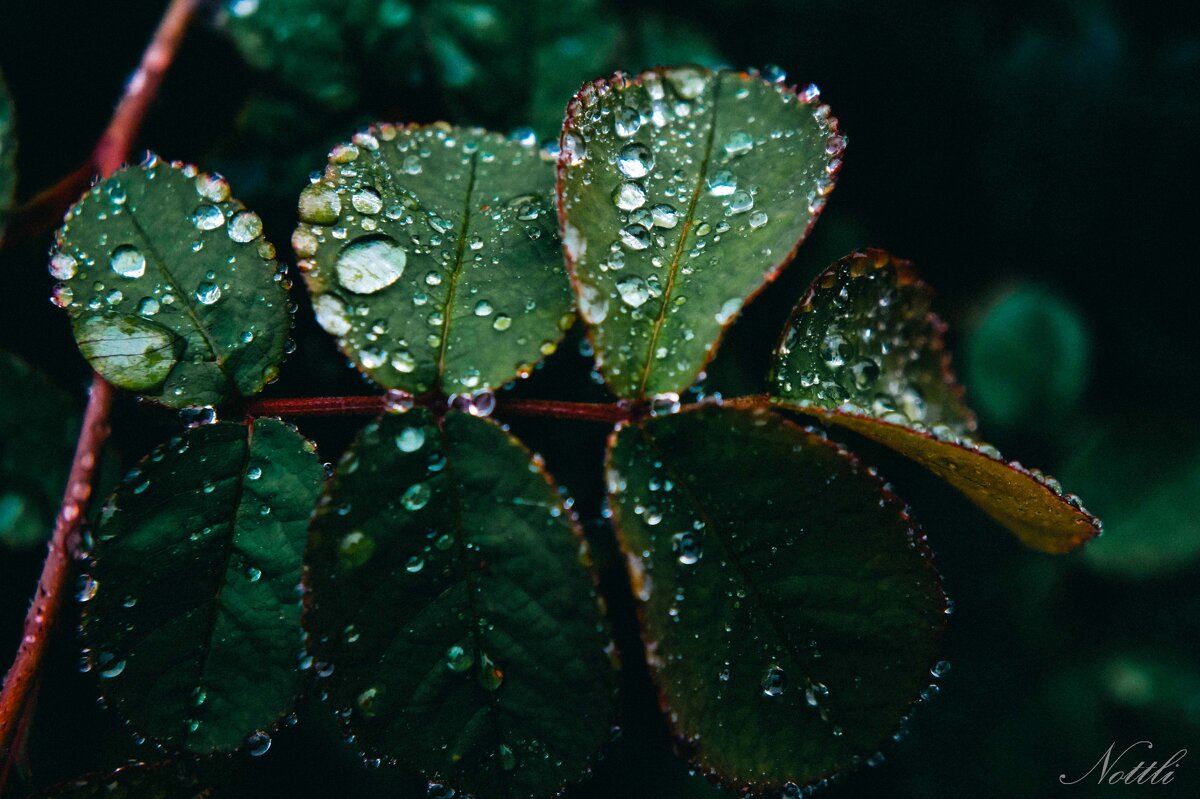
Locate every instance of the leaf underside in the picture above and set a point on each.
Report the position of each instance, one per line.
(193, 620)
(790, 627)
(8, 154)
(681, 193)
(863, 351)
(171, 288)
(451, 599)
(37, 437)
(431, 254)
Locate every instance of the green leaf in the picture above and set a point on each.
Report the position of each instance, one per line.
(192, 609)
(138, 781)
(1028, 360)
(791, 615)
(8, 154)
(171, 288)
(451, 604)
(681, 193)
(496, 62)
(863, 351)
(430, 252)
(37, 437)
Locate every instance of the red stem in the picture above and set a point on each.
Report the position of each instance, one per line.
(110, 153)
(373, 404)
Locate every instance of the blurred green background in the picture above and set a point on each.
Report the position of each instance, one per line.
(1036, 160)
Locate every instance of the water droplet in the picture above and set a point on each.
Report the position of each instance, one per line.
(62, 266)
(416, 496)
(757, 219)
(483, 308)
(458, 659)
(245, 226)
(664, 216)
(722, 183)
(319, 204)
(502, 323)
(331, 314)
(739, 143)
(629, 195)
(593, 304)
(627, 121)
(686, 546)
(774, 681)
(127, 261)
(258, 744)
(634, 291)
(940, 669)
(208, 293)
(369, 265)
(635, 160)
(635, 237)
(410, 439)
(208, 217)
(366, 201)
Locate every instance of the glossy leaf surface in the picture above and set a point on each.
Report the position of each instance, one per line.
(172, 290)
(37, 438)
(431, 253)
(8, 154)
(789, 606)
(452, 607)
(192, 609)
(863, 351)
(681, 193)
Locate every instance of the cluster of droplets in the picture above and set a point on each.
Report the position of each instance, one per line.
(407, 278)
(136, 306)
(682, 181)
(864, 340)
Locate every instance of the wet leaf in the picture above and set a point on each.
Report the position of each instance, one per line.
(681, 193)
(495, 62)
(8, 154)
(431, 253)
(37, 438)
(192, 611)
(791, 616)
(863, 351)
(137, 781)
(451, 606)
(172, 290)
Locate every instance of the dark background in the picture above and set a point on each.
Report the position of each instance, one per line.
(1035, 159)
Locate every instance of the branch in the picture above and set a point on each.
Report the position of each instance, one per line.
(110, 153)
(373, 404)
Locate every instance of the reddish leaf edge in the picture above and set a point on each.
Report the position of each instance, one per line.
(685, 747)
(621, 77)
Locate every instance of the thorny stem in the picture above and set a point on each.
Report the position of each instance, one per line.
(110, 153)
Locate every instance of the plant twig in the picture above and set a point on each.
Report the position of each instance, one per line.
(39, 621)
(373, 404)
(110, 153)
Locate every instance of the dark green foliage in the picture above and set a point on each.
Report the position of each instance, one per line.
(8, 155)
(452, 607)
(37, 436)
(451, 276)
(192, 605)
(171, 287)
(790, 628)
(681, 193)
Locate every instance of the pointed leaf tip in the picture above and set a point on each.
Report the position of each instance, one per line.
(862, 350)
(681, 193)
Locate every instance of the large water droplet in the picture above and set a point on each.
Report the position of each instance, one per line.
(369, 265)
(331, 314)
(245, 226)
(208, 217)
(634, 291)
(127, 261)
(635, 160)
